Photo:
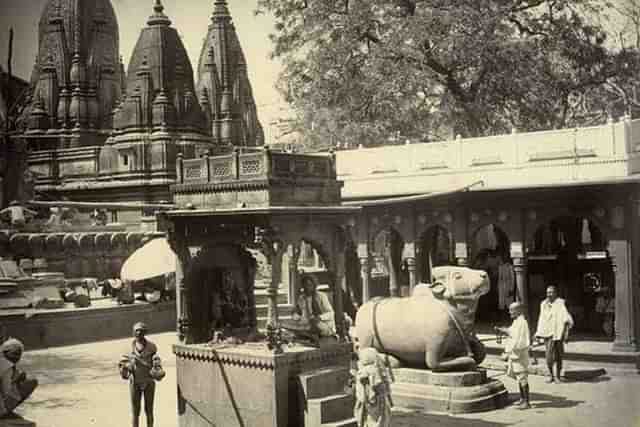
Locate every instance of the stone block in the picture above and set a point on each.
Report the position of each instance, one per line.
(425, 397)
(324, 382)
(449, 379)
(16, 422)
(351, 422)
(329, 409)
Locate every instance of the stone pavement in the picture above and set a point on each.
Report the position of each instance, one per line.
(80, 386)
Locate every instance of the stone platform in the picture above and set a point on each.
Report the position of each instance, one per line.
(16, 422)
(247, 385)
(450, 392)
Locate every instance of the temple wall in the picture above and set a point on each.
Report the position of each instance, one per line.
(76, 254)
(51, 328)
(536, 158)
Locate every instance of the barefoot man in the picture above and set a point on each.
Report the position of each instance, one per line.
(516, 352)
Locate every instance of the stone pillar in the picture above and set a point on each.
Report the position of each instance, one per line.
(182, 289)
(293, 256)
(520, 270)
(339, 285)
(411, 267)
(461, 254)
(275, 259)
(364, 275)
(625, 325)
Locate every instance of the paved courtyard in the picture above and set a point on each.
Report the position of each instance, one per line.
(80, 386)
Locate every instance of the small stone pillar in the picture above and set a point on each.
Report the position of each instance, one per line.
(339, 285)
(275, 259)
(461, 254)
(411, 268)
(183, 322)
(293, 256)
(520, 270)
(364, 275)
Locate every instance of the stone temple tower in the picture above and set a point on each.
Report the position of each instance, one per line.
(77, 77)
(160, 115)
(223, 86)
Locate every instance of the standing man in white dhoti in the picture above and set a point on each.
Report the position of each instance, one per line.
(516, 352)
(554, 324)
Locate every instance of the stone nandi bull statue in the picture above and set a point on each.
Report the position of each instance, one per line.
(432, 328)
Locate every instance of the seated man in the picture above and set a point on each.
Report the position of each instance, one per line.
(15, 387)
(313, 315)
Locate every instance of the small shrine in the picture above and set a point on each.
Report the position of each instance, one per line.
(234, 208)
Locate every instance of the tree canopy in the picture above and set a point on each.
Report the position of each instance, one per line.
(363, 70)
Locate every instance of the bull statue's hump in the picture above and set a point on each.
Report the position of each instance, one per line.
(425, 329)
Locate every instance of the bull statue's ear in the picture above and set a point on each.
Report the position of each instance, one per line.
(437, 288)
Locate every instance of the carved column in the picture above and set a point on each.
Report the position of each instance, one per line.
(274, 252)
(294, 255)
(411, 268)
(364, 275)
(179, 246)
(625, 327)
(340, 286)
(520, 270)
(461, 254)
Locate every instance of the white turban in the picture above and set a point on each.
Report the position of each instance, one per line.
(368, 356)
(12, 344)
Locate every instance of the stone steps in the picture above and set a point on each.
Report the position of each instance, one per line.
(329, 409)
(570, 366)
(351, 422)
(323, 398)
(262, 310)
(452, 400)
(614, 363)
(262, 298)
(284, 312)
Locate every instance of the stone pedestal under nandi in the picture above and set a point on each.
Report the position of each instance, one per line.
(451, 392)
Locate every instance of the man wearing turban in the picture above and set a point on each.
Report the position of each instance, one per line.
(15, 386)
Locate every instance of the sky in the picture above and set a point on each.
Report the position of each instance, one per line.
(190, 17)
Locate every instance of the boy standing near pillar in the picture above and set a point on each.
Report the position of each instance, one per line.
(516, 352)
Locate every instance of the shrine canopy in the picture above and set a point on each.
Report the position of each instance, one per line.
(253, 199)
(153, 259)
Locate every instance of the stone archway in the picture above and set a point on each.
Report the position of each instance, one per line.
(490, 251)
(220, 279)
(570, 252)
(387, 274)
(436, 247)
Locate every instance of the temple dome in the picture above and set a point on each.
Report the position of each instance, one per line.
(77, 74)
(223, 84)
(160, 87)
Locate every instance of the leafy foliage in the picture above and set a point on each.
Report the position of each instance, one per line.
(362, 70)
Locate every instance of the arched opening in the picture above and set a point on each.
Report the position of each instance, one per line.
(436, 249)
(388, 277)
(490, 251)
(304, 258)
(221, 282)
(570, 253)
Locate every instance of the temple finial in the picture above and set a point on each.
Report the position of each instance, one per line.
(158, 16)
(158, 7)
